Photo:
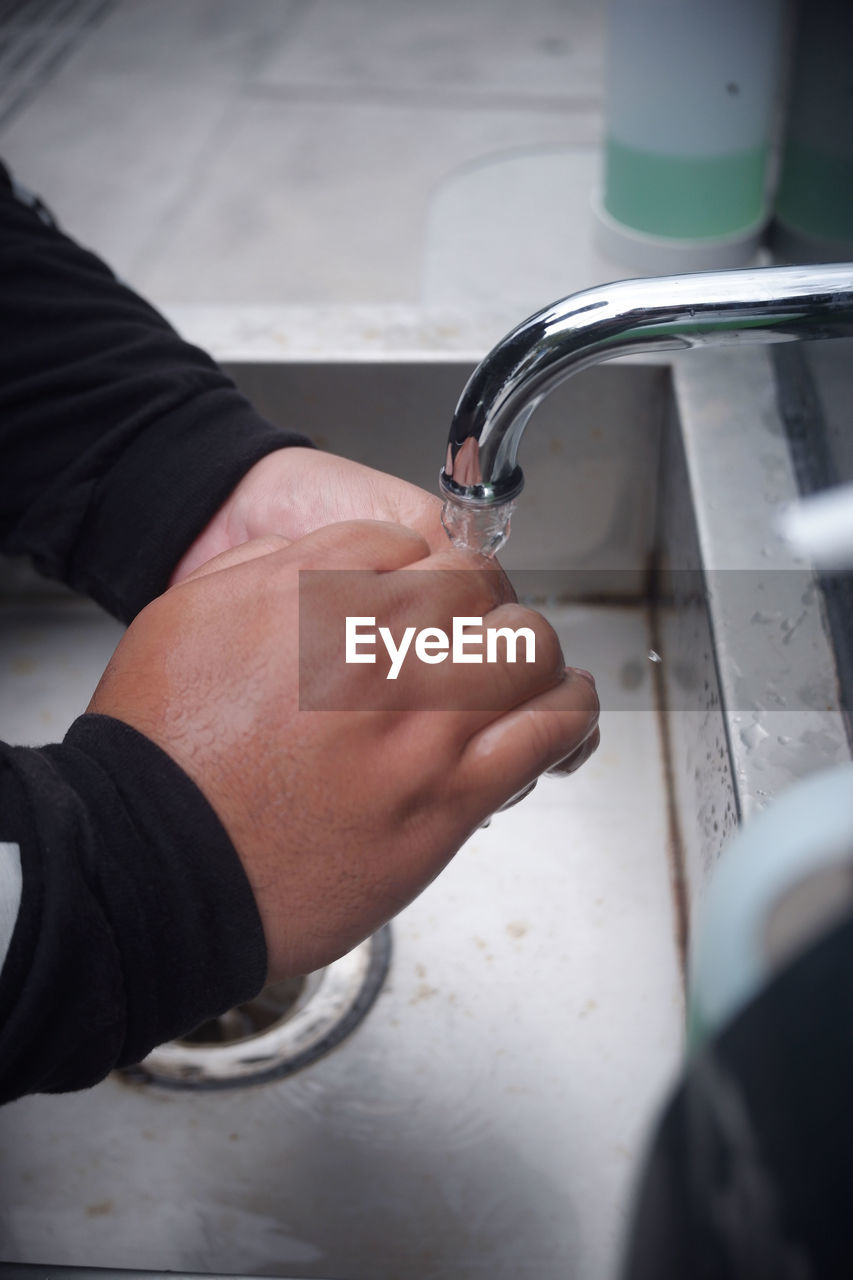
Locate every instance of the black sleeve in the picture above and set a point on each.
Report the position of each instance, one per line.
(136, 920)
(119, 441)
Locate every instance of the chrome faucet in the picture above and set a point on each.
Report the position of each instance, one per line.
(671, 313)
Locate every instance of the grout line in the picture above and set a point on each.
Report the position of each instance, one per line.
(431, 96)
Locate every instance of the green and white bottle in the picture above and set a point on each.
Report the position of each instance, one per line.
(691, 106)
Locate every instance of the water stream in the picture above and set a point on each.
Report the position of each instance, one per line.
(483, 530)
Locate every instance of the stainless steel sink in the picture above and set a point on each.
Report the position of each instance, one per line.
(488, 1114)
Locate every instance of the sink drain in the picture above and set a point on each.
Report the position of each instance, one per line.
(287, 1026)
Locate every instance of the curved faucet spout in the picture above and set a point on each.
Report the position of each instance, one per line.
(767, 304)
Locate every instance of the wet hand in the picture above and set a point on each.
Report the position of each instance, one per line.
(341, 817)
(295, 491)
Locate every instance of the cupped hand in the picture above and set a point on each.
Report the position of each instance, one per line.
(297, 490)
(342, 816)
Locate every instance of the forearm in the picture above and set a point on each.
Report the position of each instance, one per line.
(136, 921)
(120, 441)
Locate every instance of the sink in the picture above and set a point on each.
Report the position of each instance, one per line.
(488, 1114)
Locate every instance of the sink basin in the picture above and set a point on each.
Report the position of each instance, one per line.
(487, 1115)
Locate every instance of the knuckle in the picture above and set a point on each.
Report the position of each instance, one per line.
(548, 650)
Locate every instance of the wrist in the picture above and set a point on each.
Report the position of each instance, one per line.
(243, 512)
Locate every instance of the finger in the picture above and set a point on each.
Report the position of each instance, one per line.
(427, 521)
(519, 796)
(447, 585)
(571, 764)
(525, 661)
(264, 546)
(509, 753)
(421, 511)
(423, 593)
(452, 559)
(481, 674)
(578, 757)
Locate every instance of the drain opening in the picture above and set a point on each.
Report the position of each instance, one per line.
(277, 1001)
(286, 1027)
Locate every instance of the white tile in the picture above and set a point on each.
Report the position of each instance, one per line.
(114, 140)
(278, 152)
(552, 48)
(111, 157)
(517, 231)
(179, 40)
(319, 202)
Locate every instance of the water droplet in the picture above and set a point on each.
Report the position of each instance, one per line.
(753, 735)
(654, 656)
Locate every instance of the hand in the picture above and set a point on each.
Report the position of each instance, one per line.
(294, 491)
(342, 817)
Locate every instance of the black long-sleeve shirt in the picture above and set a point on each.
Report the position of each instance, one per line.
(128, 917)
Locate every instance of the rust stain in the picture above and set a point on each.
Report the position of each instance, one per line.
(517, 928)
(424, 992)
(100, 1209)
(675, 848)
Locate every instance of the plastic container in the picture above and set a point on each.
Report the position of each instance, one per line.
(814, 200)
(785, 878)
(691, 107)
